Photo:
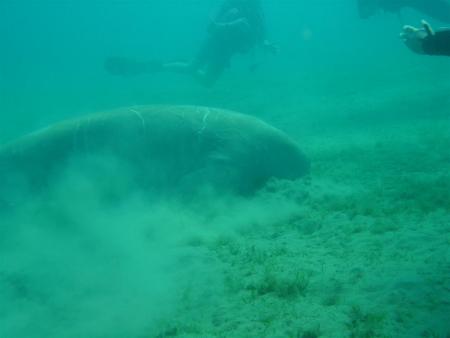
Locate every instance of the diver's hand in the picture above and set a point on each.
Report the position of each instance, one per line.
(270, 47)
(413, 37)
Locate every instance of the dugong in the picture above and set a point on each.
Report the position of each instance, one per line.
(169, 148)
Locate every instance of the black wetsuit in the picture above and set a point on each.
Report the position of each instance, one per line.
(243, 29)
(437, 44)
(250, 11)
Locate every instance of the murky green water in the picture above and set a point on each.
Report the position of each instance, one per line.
(359, 247)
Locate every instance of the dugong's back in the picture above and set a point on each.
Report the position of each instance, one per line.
(165, 148)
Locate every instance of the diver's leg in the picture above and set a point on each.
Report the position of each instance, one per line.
(190, 68)
(207, 76)
(204, 71)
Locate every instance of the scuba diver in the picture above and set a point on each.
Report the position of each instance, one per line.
(437, 9)
(238, 28)
(425, 40)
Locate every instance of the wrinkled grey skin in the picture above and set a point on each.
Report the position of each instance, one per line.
(170, 149)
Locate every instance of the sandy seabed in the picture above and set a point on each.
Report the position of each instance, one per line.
(360, 248)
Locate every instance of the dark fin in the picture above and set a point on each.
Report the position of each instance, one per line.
(127, 67)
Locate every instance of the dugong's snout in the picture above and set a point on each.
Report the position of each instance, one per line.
(288, 162)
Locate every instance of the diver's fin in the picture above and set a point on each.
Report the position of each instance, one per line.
(128, 67)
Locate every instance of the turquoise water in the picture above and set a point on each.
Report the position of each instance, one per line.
(358, 248)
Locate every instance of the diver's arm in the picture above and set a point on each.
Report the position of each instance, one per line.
(426, 41)
(261, 33)
(438, 43)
